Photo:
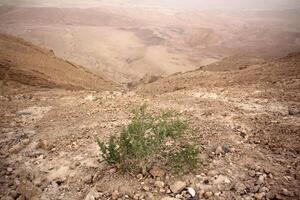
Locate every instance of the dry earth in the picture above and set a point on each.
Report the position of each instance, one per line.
(246, 119)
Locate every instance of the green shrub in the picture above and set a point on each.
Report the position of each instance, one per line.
(143, 140)
(184, 159)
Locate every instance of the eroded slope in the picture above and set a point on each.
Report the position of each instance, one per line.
(24, 63)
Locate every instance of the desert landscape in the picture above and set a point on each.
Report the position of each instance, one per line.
(124, 43)
(219, 82)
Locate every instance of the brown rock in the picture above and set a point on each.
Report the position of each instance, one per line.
(208, 194)
(126, 189)
(159, 184)
(157, 172)
(177, 187)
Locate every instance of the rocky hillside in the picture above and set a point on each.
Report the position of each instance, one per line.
(22, 63)
(243, 114)
(279, 77)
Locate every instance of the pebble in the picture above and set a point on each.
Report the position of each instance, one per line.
(162, 190)
(9, 169)
(146, 188)
(92, 195)
(208, 194)
(260, 196)
(177, 187)
(219, 150)
(285, 192)
(112, 171)
(191, 191)
(261, 180)
(264, 189)
(115, 195)
(88, 179)
(157, 172)
(136, 196)
(169, 198)
(221, 179)
(150, 196)
(240, 188)
(139, 176)
(126, 189)
(159, 184)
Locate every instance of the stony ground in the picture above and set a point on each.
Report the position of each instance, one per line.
(249, 145)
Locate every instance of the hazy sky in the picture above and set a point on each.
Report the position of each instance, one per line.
(185, 4)
(217, 4)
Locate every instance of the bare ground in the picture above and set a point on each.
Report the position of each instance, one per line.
(247, 126)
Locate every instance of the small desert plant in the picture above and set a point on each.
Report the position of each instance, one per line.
(183, 159)
(143, 140)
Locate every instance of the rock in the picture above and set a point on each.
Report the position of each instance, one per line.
(168, 198)
(260, 196)
(208, 194)
(264, 189)
(261, 180)
(200, 193)
(136, 196)
(159, 184)
(150, 196)
(191, 191)
(254, 189)
(285, 192)
(115, 195)
(162, 190)
(222, 150)
(126, 189)
(139, 176)
(13, 194)
(7, 198)
(146, 188)
(240, 188)
(219, 150)
(88, 179)
(221, 179)
(177, 187)
(248, 198)
(252, 173)
(92, 195)
(9, 170)
(18, 147)
(271, 195)
(24, 112)
(294, 112)
(157, 172)
(112, 170)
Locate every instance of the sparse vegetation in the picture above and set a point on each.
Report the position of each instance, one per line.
(183, 159)
(143, 140)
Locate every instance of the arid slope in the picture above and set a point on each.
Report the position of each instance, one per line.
(276, 77)
(25, 63)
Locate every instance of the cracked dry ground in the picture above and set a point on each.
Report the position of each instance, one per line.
(250, 145)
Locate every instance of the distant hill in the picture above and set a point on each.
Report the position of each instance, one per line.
(24, 63)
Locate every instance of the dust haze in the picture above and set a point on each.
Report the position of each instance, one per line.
(171, 4)
(162, 37)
